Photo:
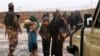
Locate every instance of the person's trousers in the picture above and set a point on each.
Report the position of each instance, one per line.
(32, 41)
(13, 38)
(57, 46)
(46, 47)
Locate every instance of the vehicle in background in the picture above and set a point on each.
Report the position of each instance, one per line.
(86, 41)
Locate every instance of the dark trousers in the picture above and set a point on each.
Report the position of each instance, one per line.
(46, 47)
(57, 46)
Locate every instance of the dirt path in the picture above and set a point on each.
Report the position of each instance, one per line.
(22, 48)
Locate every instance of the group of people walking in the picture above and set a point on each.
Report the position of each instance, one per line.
(56, 29)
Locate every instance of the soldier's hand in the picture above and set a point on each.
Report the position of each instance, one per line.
(20, 31)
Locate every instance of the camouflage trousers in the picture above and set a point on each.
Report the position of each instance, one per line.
(13, 38)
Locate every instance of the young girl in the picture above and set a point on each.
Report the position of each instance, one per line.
(32, 26)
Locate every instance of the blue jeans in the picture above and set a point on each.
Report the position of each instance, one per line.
(32, 41)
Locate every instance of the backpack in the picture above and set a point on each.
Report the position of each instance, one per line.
(11, 19)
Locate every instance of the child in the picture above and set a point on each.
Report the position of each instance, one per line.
(32, 26)
(45, 34)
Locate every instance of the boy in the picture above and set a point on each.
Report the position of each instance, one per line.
(45, 34)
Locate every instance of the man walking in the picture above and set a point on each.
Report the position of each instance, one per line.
(12, 28)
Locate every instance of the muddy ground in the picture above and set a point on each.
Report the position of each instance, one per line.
(22, 48)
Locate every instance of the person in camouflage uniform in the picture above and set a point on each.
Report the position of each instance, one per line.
(12, 28)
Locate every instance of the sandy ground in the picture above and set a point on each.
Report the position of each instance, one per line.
(22, 48)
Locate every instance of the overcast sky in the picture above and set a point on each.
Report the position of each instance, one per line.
(32, 5)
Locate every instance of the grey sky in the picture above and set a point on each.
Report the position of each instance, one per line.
(27, 5)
